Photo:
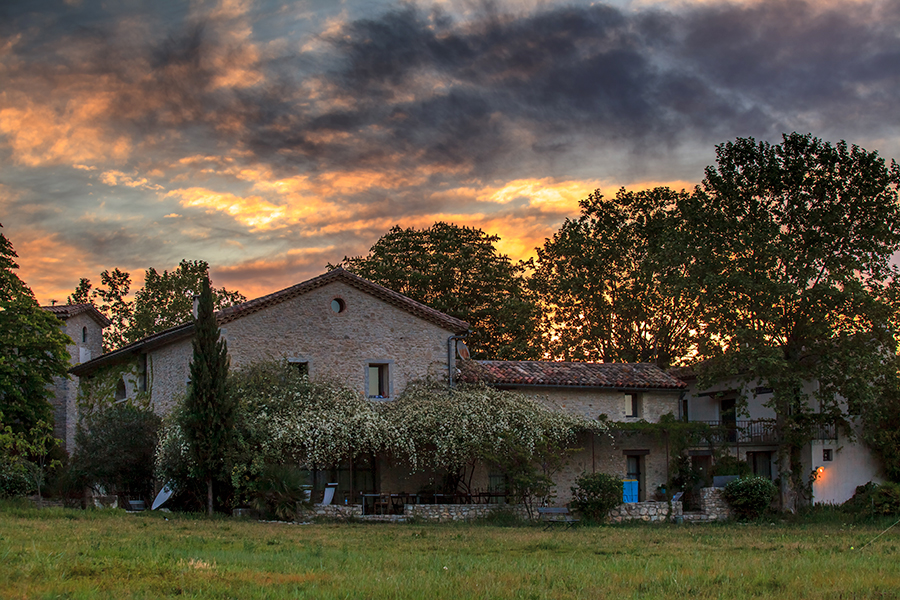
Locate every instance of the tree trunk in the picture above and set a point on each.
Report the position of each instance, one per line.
(787, 495)
(209, 496)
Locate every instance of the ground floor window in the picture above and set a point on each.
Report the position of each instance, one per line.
(761, 463)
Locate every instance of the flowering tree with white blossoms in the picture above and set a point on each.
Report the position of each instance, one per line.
(288, 419)
(283, 418)
(451, 430)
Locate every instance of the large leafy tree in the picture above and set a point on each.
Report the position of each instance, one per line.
(165, 300)
(611, 284)
(110, 299)
(32, 349)
(208, 410)
(458, 271)
(788, 247)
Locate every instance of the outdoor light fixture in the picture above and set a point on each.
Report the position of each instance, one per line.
(821, 470)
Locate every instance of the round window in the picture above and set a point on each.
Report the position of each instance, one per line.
(337, 305)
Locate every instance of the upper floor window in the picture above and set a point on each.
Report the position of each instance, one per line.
(84, 335)
(632, 405)
(378, 382)
(338, 305)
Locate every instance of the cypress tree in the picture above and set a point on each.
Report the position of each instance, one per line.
(209, 414)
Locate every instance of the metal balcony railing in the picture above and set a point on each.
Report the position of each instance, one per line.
(758, 431)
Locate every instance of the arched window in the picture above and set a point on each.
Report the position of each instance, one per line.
(84, 335)
(120, 390)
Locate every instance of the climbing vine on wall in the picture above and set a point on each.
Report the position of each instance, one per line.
(98, 391)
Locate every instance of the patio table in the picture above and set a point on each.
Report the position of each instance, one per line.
(371, 499)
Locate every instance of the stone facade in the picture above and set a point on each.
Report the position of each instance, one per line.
(592, 403)
(85, 331)
(342, 345)
(609, 453)
(305, 329)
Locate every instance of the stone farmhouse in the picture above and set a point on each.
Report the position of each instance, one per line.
(339, 325)
(841, 463)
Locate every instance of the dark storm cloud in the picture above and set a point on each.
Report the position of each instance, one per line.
(575, 71)
(453, 93)
(465, 94)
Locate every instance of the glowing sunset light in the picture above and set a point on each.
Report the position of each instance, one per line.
(271, 139)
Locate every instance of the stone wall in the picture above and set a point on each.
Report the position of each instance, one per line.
(335, 511)
(713, 507)
(443, 513)
(649, 512)
(433, 513)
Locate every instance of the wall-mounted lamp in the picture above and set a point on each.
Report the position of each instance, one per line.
(820, 470)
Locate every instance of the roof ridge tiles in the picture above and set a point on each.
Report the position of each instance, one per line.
(572, 374)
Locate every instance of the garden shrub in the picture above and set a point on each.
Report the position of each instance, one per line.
(750, 496)
(875, 499)
(115, 449)
(886, 499)
(595, 494)
(13, 478)
(282, 491)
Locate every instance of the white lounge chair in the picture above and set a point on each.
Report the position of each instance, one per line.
(329, 493)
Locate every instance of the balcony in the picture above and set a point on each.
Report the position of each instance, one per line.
(758, 431)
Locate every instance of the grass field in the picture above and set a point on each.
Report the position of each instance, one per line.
(58, 553)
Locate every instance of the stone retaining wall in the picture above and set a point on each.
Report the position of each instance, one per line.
(442, 513)
(335, 511)
(712, 503)
(713, 507)
(650, 512)
(45, 503)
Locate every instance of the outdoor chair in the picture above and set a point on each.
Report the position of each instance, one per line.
(328, 498)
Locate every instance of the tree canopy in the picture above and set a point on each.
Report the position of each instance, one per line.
(788, 250)
(32, 349)
(611, 284)
(165, 300)
(458, 271)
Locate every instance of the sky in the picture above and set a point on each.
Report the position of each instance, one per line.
(270, 138)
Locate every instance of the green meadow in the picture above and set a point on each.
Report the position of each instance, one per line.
(62, 553)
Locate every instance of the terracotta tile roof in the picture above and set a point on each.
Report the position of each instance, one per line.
(683, 373)
(233, 313)
(67, 311)
(382, 293)
(569, 374)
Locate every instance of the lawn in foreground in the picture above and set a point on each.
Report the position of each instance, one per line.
(103, 554)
